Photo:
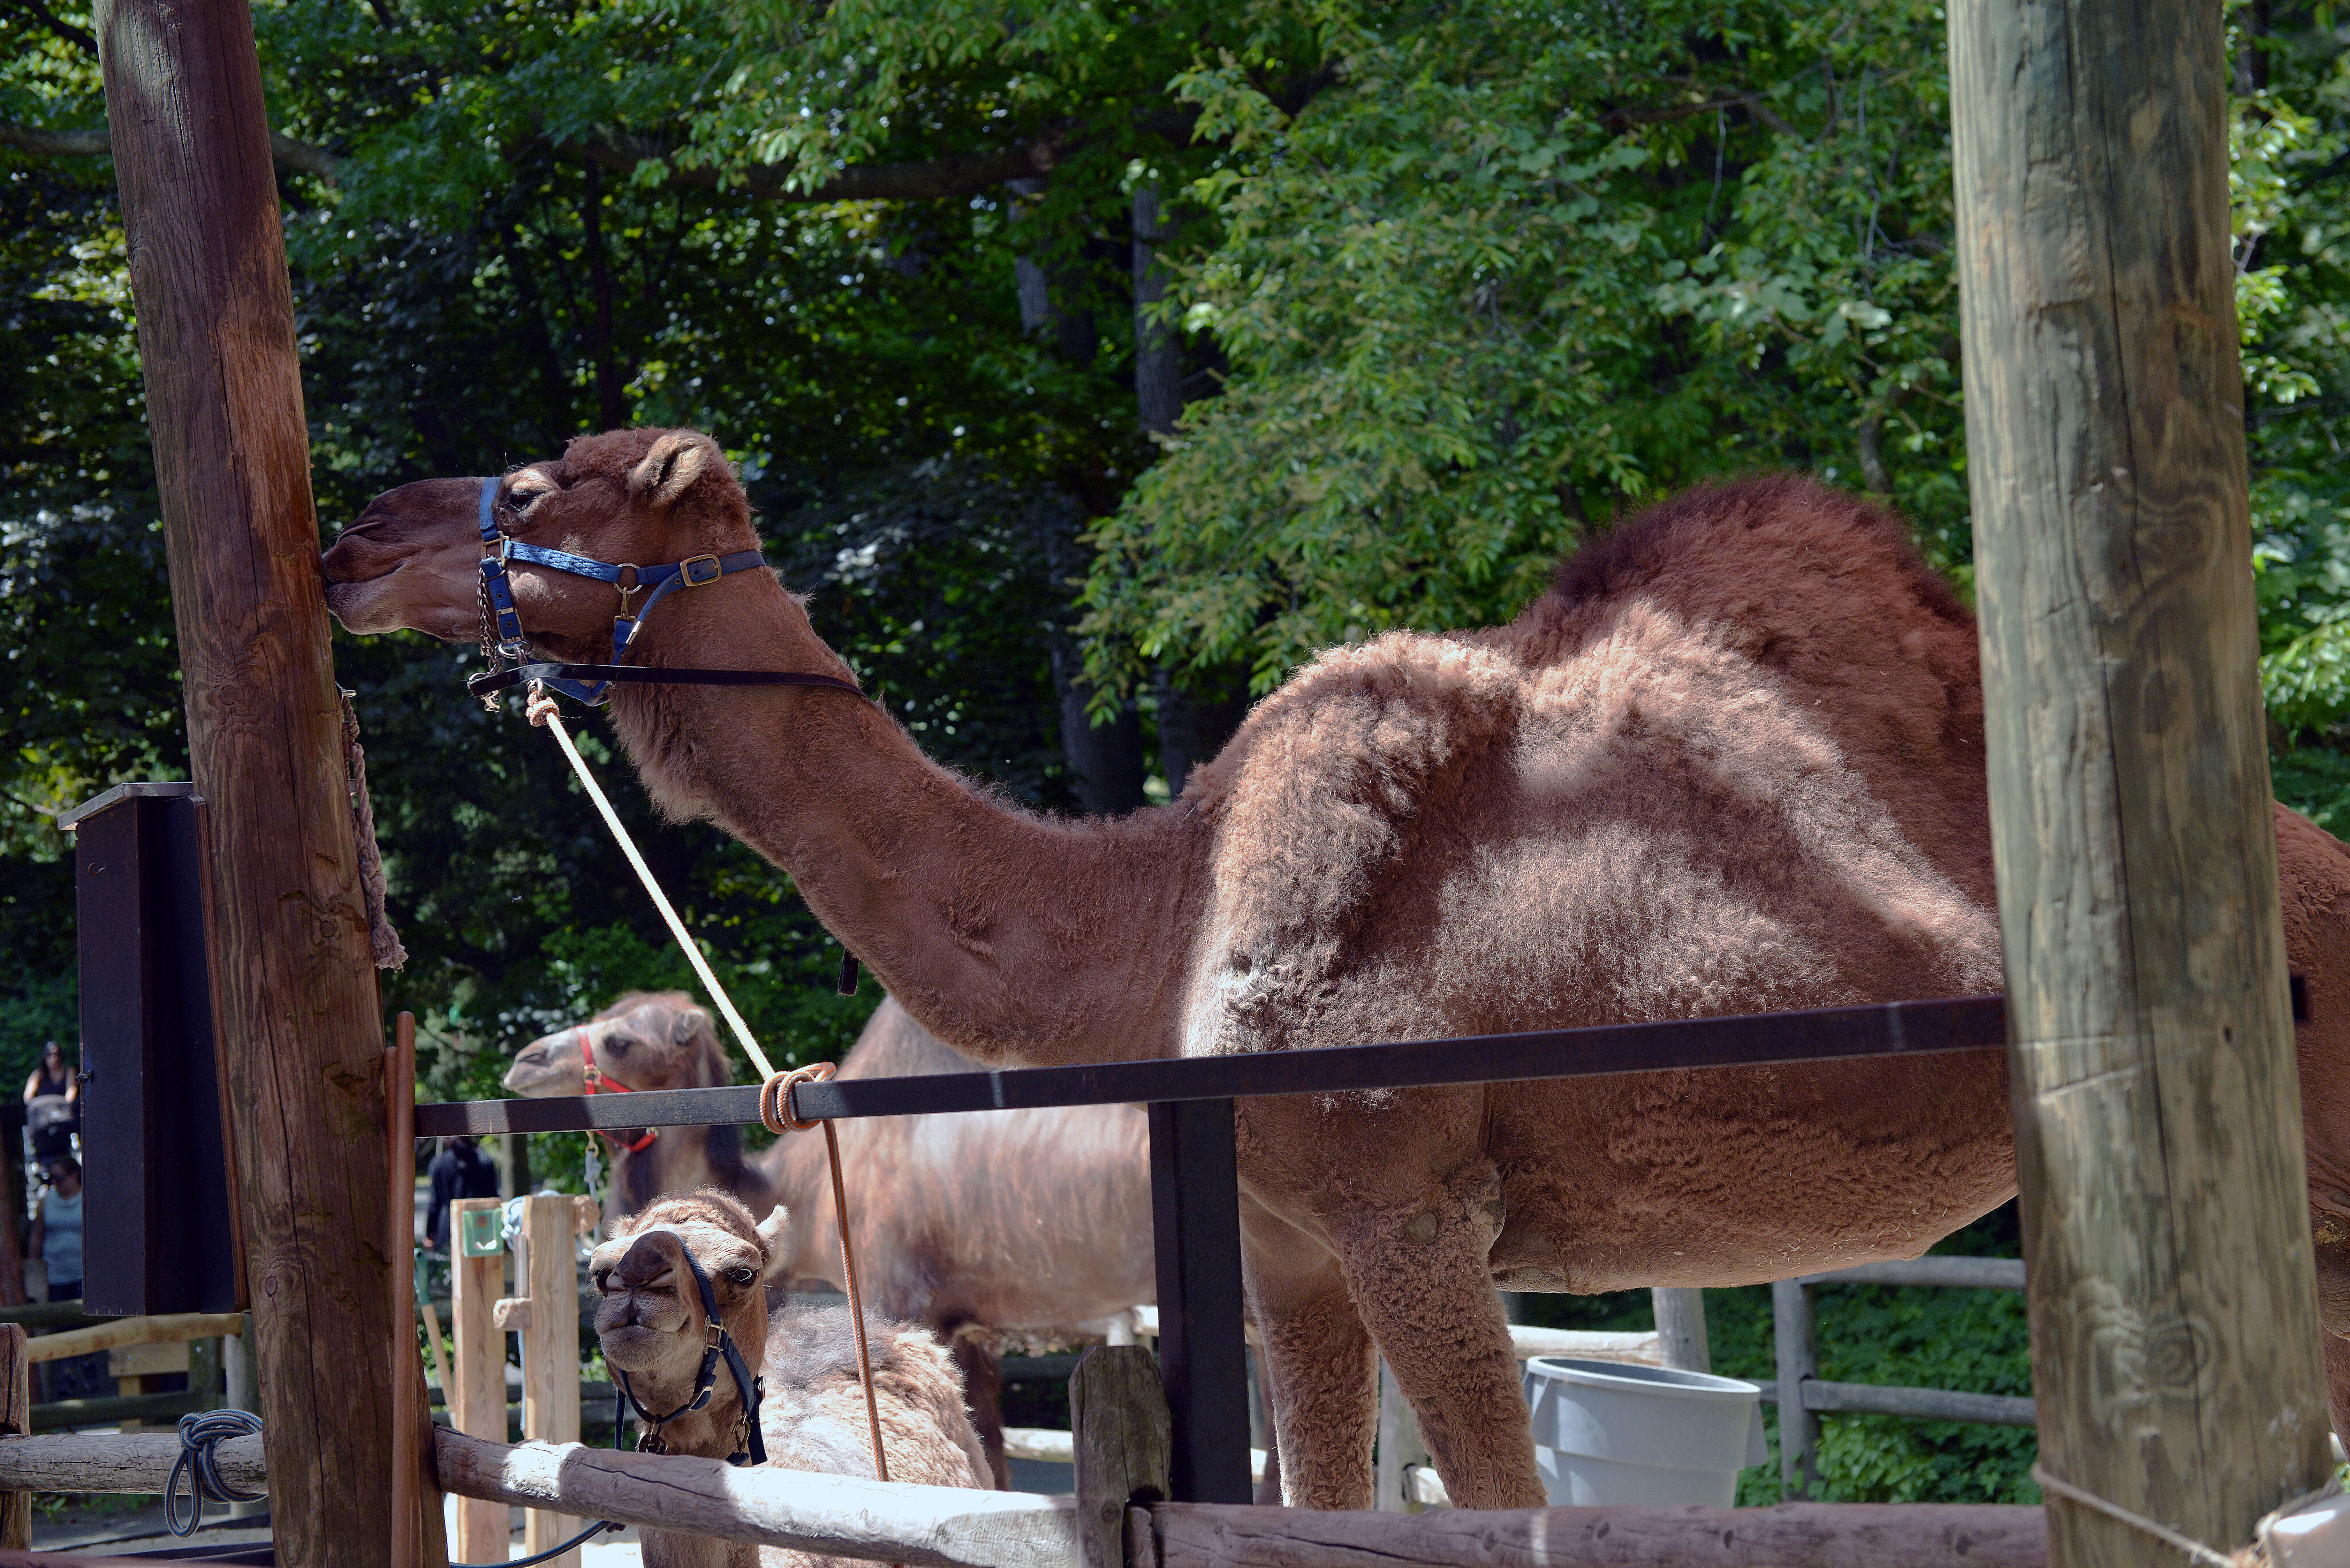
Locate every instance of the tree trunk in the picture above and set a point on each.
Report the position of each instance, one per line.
(2174, 1332)
(300, 1034)
(611, 406)
(1158, 350)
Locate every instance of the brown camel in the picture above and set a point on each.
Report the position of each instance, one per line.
(813, 1417)
(1031, 1221)
(1732, 762)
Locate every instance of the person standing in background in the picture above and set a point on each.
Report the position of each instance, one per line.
(51, 1078)
(56, 1231)
(460, 1170)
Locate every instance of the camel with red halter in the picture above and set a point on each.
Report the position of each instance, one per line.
(1036, 1222)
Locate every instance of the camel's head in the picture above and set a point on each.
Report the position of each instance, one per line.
(646, 1040)
(651, 1319)
(643, 497)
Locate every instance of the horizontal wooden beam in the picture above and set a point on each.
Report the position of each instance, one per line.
(124, 1462)
(1884, 1029)
(839, 1516)
(165, 1328)
(1975, 1273)
(64, 1415)
(1919, 1404)
(951, 1527)
(1814, 1534)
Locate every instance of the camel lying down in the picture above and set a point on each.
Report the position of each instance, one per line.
(651, 1323)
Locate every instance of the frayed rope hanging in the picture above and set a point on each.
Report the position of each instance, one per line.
(383, 943)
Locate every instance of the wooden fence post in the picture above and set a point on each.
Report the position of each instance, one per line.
(477, 1400)
(550, 1352)
(1793, 1334)
(15, 1421)
(1122, 1444)
(300, 1035)
(1681, 1341)
(2174, 1333)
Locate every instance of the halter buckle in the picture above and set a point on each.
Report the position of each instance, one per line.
(687, 571)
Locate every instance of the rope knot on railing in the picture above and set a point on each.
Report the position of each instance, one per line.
(199, 1467)
(775, 1097)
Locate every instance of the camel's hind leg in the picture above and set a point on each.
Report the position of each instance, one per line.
(1421, 1281)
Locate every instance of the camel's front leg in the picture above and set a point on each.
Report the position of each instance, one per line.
(1420, 1280)
(1320, 1370)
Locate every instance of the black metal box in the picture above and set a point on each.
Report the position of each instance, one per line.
(159, 1221)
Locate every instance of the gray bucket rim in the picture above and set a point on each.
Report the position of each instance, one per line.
(1632, 1376)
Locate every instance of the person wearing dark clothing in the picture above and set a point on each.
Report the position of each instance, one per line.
(459, 1170)
(51, 1076)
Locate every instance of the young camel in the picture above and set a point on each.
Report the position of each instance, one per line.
(1733, 762)
(812, 1417)
(1034, 1221)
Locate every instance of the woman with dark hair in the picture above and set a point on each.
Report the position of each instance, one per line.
(51, 1076)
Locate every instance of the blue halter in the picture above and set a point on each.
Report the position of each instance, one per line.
(498, 549)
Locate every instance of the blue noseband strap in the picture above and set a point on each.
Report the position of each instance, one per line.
(498, 551)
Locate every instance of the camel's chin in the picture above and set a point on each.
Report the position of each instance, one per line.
(637, 1348)
(371, 608)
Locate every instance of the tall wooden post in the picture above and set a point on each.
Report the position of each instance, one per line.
(477, 1399)
(2175, 1342)
(301, 1040)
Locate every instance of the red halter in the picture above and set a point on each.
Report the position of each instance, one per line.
(599, 1080)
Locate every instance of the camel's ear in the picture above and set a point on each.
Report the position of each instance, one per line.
(668, 471)
(771, 1232)
(688, 1022)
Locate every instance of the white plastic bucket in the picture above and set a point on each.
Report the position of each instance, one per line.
(1614, 1432)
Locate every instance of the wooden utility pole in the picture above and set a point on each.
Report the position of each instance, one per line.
(2174, 1333)
(301, 1040)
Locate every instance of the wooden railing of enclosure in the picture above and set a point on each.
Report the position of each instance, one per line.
(1122, 1447)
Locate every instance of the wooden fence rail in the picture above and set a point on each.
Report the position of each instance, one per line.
(167, 1329)
(949, 1527)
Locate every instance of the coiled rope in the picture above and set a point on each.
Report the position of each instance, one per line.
(199, 1467)
(775, 1091)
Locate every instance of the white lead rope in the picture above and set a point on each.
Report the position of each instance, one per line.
(542, 711)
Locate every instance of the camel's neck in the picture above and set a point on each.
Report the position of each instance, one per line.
(1014, 938)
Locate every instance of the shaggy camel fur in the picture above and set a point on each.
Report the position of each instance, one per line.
(1732, 762)
(1034, 1221)
(813, 1416)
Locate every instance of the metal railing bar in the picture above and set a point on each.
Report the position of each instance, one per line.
(1897, 1028)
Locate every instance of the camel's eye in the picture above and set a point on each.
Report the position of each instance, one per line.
(742, 1276)
(617, 1043)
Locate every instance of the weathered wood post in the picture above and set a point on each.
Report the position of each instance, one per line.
(477, 1399)
(15, 1421)
(550, 1351)
(2174, 1335)
(301, 1040)
(1122, 1444)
